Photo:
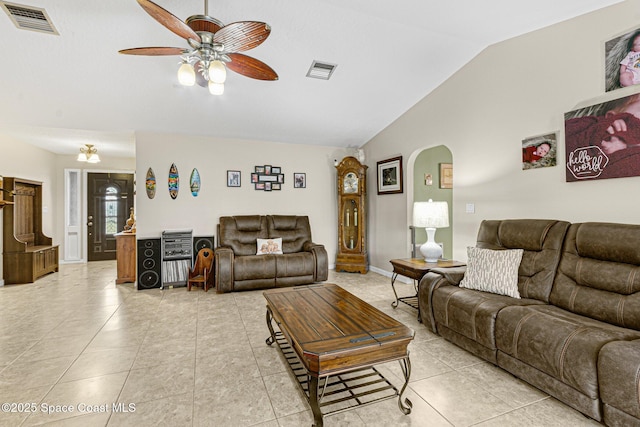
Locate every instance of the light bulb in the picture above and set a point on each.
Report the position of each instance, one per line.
(216, 88)
(217, 72)
(186, 75)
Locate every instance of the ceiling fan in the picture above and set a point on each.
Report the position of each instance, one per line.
(214, 47)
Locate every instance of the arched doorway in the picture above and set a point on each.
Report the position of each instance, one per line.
(424, 183)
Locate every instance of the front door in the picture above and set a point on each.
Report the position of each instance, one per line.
(109, 198)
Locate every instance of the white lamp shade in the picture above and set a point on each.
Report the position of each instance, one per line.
(217, 72)
(431, 214)
(82, 157)
(216, 88)
(186, 75)
(93, 158)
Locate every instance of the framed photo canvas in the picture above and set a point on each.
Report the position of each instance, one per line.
(299, 180)
(539, 151)
(622, 61)
(446, 175)
(390, 176)
(233, 178)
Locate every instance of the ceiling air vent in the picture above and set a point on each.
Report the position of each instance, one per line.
(29, 18)
(321, 70)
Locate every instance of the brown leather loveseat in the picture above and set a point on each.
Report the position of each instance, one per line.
(239, 268)
(575, 331)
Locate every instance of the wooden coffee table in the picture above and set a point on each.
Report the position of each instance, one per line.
(332, 341)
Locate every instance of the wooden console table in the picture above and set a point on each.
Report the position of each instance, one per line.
(415, 268)
(126, 257)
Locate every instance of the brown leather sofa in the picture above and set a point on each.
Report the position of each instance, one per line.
(575, 332)
(238, 268)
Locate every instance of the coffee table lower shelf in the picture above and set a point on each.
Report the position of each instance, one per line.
(342, 392)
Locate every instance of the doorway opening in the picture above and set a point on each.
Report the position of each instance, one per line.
(109, 200)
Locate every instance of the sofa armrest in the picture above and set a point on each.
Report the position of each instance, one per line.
(453, 275)
(619, 376)
(321, 272)
(427, 286)
(223, 261)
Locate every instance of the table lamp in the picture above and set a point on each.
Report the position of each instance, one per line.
(431, 215)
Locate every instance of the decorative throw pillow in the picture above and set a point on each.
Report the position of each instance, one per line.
(493, 271)
(269, 246)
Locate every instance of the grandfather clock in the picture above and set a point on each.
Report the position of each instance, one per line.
(352, 192)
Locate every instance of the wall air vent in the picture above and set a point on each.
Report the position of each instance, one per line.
(29, 18)
(321, 70)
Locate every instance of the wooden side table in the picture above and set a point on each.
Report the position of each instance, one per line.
(415, 268)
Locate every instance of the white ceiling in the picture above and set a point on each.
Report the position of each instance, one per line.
(59, 92)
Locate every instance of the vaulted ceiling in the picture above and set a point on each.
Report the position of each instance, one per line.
(61, 91)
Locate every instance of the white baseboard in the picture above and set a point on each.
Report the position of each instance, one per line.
(1, 282)
(389, 274)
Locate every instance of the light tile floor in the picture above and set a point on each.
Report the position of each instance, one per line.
(95, 354)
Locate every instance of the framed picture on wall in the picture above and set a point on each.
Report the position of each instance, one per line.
(390, 176)
(446, 175)
(299, 180)
(622, 60)
(539, 151)
(597, 147)
(233, 178)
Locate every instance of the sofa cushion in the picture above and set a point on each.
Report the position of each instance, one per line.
(599, 274)
(296, 264)
(269, 246)
(252, 267)
(471, 313)
(295, 231)
(559, 343)
(493, 271)
(240, 233)
(541, 240)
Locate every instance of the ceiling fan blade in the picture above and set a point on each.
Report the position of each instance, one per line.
(250, 67)
(241, 36)
(170, 21)
(154, 51)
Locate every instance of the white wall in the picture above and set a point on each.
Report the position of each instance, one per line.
(513, 90)
(213, 157)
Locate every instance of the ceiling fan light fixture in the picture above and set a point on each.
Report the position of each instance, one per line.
(186, 74)
(217, 71)
(216, 88)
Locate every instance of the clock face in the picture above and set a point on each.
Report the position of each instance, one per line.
(350, 183)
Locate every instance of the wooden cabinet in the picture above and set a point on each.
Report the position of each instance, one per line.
(28, 253)
(352, 193)
(126, 257)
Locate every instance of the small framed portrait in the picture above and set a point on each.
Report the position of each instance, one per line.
(446, 175)
(390, 176)
(299, 180)
(254, 178)
(233, 178)
(267, 169)
(275, 169)
(539, 151)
